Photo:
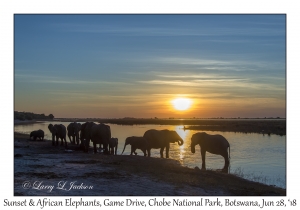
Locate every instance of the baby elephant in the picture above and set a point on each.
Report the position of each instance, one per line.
(113, 146)
(136, 143)
(37, 134)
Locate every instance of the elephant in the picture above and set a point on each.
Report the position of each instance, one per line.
(113, 146)
(136, 143)
(58, 131)
(215, 144)
(37, 134)
(73, 132)
(161, 139)
(85, 134)
(97, 133)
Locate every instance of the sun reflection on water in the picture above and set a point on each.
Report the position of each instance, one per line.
(184, 135)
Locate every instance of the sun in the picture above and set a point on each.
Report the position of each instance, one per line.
(182, 104)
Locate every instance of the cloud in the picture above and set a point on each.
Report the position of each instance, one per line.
(57, 80)
(169, 82)
(129, 30)
(221, 64)
(203, 77)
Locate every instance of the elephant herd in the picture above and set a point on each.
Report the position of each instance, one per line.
(82, 134)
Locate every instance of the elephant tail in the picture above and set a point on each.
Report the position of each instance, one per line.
(229, 151)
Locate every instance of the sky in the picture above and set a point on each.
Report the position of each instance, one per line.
(114, 66)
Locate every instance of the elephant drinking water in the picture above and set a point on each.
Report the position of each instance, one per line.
(161, 139)
(215, 144)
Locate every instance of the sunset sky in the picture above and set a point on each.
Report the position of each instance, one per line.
(137, 65)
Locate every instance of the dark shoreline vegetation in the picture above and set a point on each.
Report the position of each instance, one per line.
(266, 126)
(31, 116)
(122, 175)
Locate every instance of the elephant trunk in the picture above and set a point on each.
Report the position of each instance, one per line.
(193, 148)
(180, 142)
(124, 148)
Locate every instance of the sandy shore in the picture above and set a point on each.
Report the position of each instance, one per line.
(41, 169)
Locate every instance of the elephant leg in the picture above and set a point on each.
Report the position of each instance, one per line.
(105, 148)
(87, 145)
(167, 151)
(70, 138)
(162, 152)
(66, 145)
(226, 165)
(203, 153)
(149, 152)
(77, 139)
(95, 147)
(144, 151)
(53, 141)
(56, 143)
(62, 141)
(132, 150)
(73, 139)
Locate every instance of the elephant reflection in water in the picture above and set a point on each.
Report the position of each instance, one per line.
(215, 144)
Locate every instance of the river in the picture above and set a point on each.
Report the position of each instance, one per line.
(255, 157)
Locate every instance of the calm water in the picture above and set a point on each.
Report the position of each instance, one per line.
(253, 156)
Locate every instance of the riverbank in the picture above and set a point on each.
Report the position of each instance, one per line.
(43, 166)
(19, 122)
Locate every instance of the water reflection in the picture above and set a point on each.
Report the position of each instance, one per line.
(252, 155)
(184, 135)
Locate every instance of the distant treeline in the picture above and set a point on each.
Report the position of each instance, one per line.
(31, 116)
(264, 126)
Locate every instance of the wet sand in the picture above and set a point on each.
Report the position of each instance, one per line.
(48, 170)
